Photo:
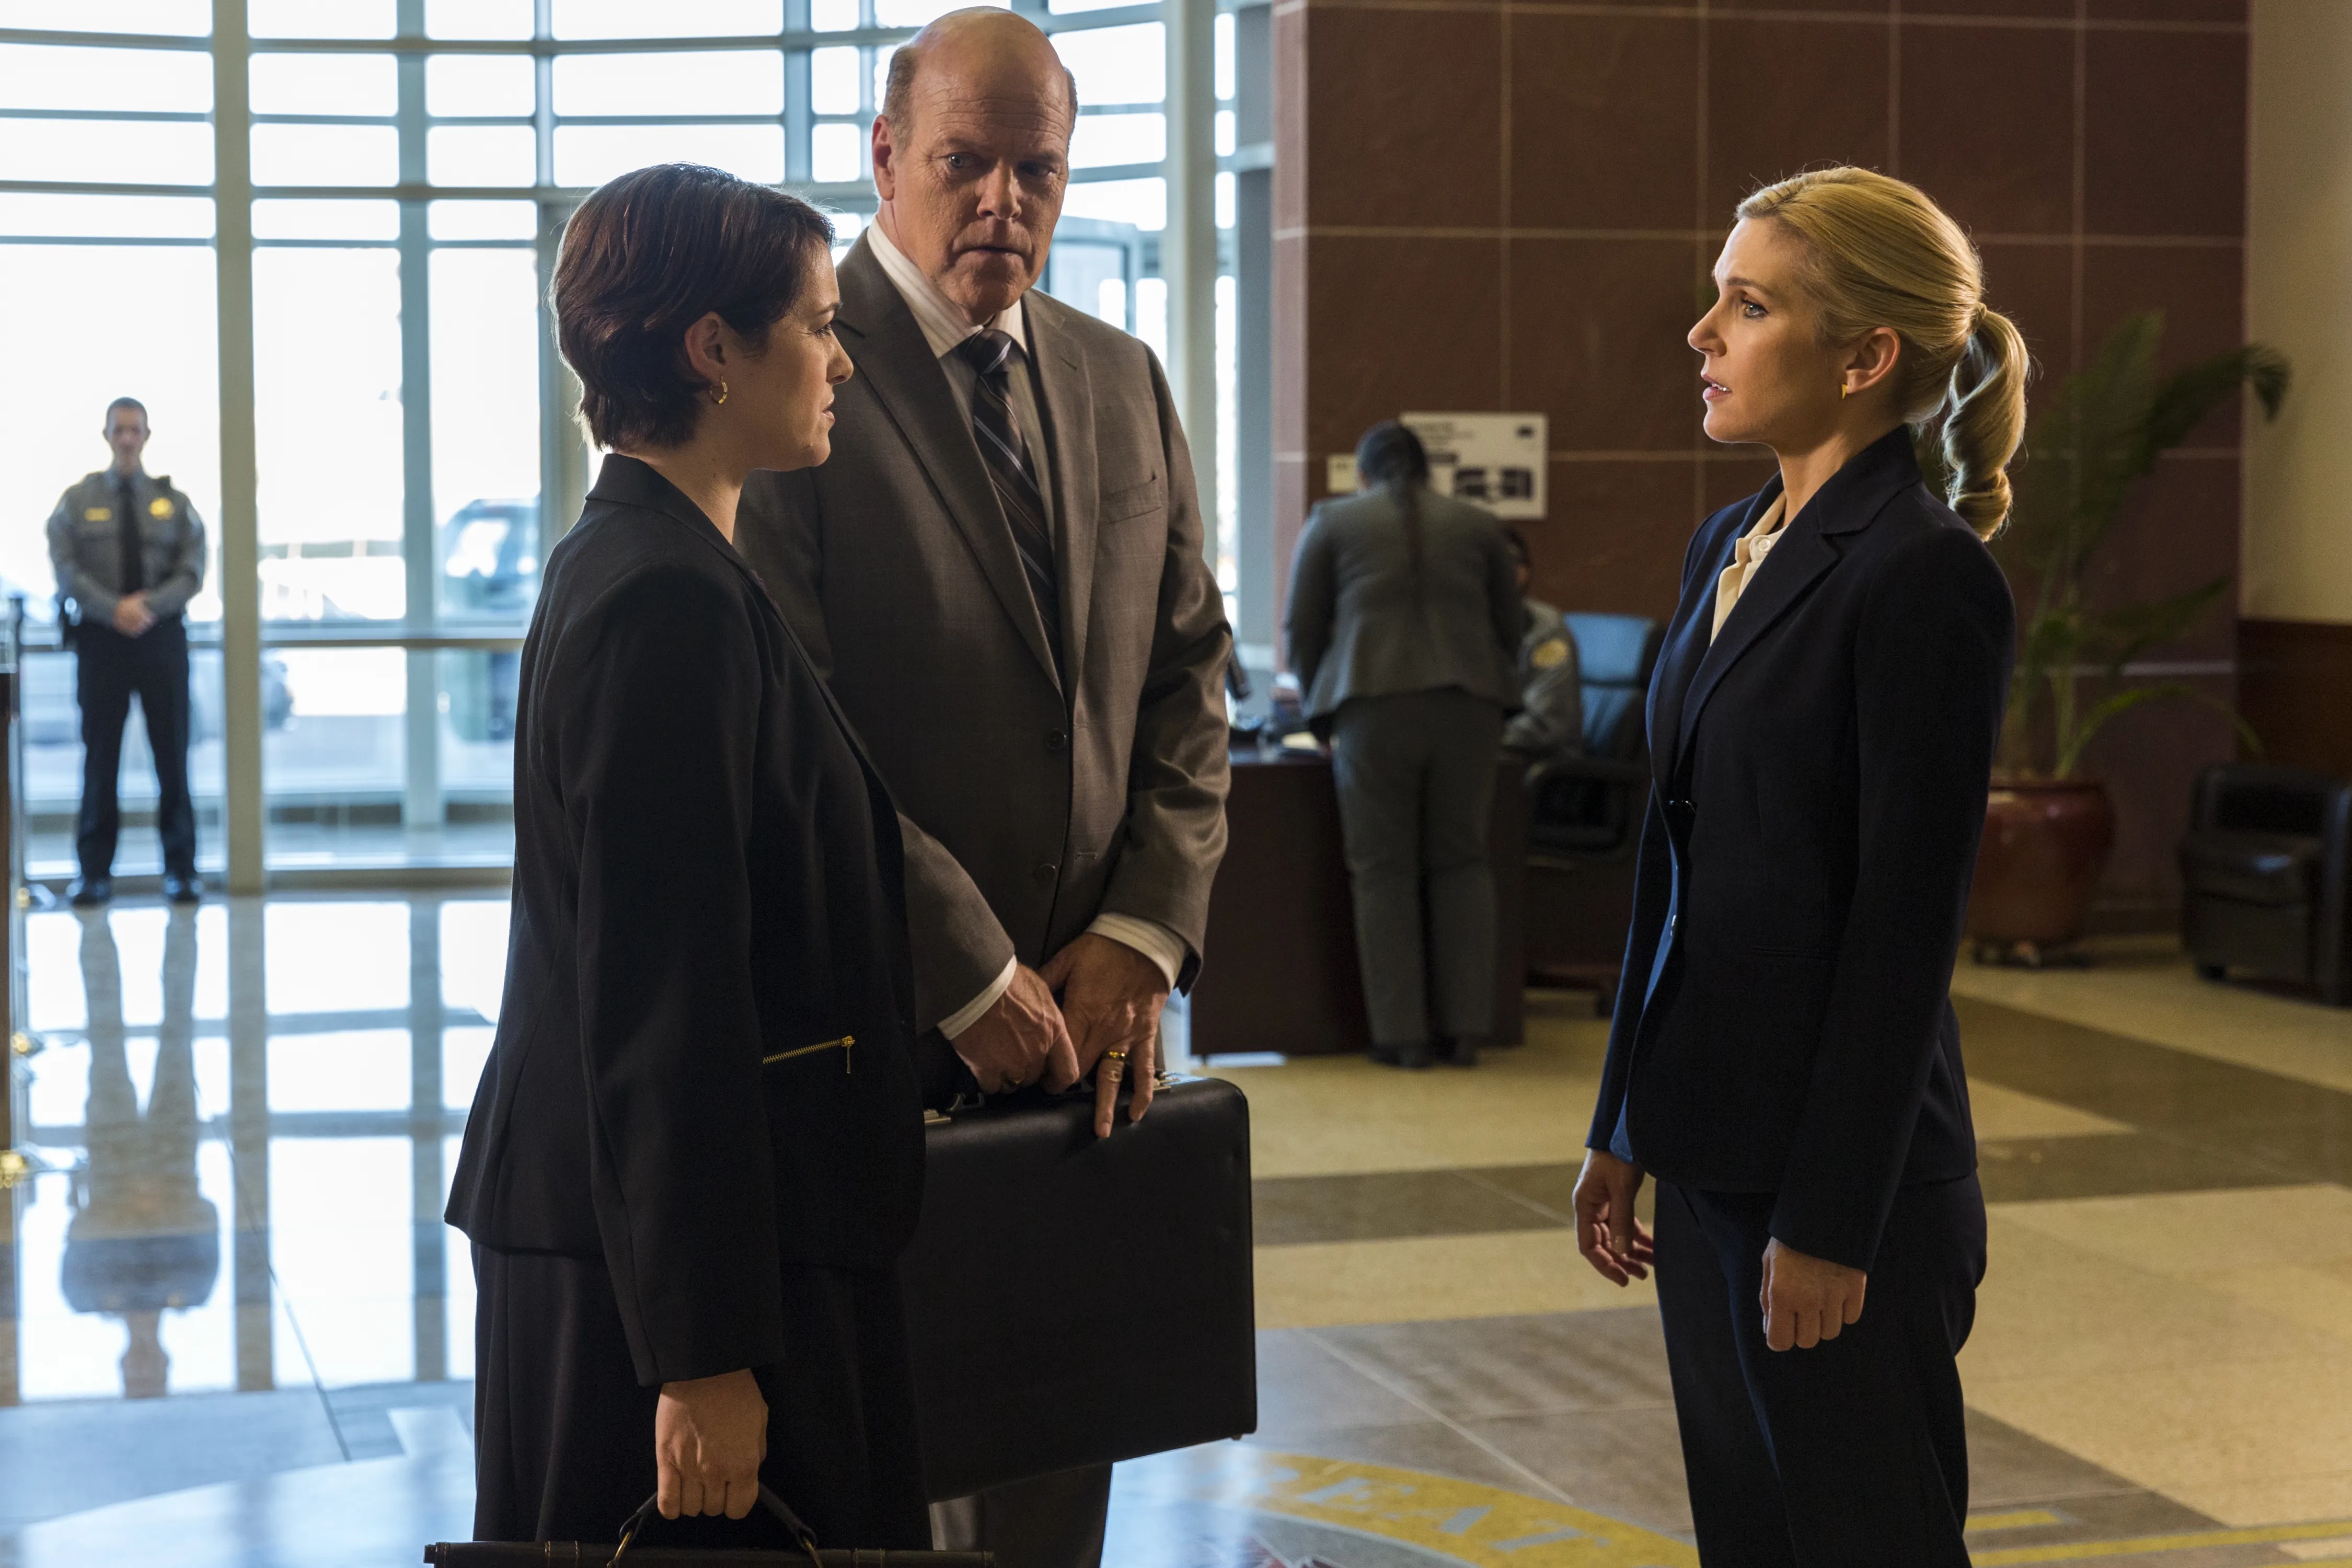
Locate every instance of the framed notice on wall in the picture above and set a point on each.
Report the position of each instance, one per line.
(1495, 460)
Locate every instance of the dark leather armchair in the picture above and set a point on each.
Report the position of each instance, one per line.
(1585, 812)
(2266, 871)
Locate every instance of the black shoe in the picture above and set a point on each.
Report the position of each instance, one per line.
(183, 890)
(88, 893)
(1463, 1052)
(1412, 1057)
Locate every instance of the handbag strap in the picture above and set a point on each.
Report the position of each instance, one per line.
(781, 1511)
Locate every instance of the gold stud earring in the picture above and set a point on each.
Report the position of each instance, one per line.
(723, 392)
(1842, 392)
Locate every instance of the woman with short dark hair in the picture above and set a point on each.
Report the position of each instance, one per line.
(1404, 623)
(696, 1151)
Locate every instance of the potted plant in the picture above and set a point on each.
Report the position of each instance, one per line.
(2047, 829)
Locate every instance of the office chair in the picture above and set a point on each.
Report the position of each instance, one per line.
(1585, 813)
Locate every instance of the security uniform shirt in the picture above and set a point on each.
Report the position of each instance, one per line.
(111, 536)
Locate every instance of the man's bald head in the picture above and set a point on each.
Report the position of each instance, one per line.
(972, 155)
(986, 52)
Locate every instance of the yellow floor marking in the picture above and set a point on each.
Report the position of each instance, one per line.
(2079, 1550)
(2019, 1518)
(1462, 1521)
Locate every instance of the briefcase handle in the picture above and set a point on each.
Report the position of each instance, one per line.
(1032, 1094)
(801, 1534)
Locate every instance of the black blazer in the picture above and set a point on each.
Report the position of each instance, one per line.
(1818, 788)
(708, 906)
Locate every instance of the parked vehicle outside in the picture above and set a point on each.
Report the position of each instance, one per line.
(489, 572)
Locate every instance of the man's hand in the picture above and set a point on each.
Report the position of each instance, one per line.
(710, 1436)
(1020, 1040)
(1112, 996)
(131, 617)
(1806, 1299)
(1617, 1244)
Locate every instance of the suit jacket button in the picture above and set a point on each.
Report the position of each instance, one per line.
(1055, 739)
(1046, 873)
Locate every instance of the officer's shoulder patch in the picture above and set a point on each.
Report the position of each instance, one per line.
(160, 507)
(1550, 653)
(98, 514)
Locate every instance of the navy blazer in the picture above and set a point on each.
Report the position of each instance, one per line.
(1820, 773)
(704, 1062)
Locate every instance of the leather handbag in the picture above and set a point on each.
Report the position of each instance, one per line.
(1073, 1300)
(630, 1554)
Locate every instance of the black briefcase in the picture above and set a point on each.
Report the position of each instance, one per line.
(1073, 1300)
(629, 1554)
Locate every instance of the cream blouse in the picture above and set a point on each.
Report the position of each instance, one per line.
(1746, 557)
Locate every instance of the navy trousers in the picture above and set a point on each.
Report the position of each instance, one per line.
(1852, 1454)
(109, 667)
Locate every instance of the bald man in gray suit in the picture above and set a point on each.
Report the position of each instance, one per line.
(1001, 574)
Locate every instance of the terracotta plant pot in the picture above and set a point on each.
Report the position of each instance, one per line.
(2045, 844)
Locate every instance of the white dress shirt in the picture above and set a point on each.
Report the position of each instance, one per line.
(945, 327)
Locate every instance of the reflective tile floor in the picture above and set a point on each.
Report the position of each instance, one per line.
(233, 1331)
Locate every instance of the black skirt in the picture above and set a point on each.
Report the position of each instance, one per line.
(564, 1434)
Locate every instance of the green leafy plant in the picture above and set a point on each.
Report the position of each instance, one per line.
(2095, 437)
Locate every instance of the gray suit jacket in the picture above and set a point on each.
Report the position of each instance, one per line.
(1028, 809)
(1354, 628)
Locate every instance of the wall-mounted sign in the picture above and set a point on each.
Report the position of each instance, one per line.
(1339, 474)
(1495, 460)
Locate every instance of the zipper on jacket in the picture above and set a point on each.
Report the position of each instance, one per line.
(844, 1044)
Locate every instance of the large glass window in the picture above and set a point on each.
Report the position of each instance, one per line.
(485, 432)
(415, 460)
(55, 419)
(327, 433)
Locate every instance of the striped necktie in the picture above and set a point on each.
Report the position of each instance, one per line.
(990, 352)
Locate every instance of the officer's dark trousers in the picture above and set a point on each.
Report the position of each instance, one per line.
(1416, 779)
(109, 666)
(1849, 1455)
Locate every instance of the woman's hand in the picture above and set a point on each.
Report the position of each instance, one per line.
(1617, 1244)
(1806, 1299)
(710, 1436)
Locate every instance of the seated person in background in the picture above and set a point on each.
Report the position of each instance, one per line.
(1552, 721)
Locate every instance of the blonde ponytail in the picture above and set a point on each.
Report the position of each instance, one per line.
(1879, 253)
(1987, 420)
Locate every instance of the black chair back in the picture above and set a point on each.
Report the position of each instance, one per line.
(1589, 806)
(1614, 656)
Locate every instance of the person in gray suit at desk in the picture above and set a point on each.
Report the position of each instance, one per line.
(1000, 574)
(1404, 623)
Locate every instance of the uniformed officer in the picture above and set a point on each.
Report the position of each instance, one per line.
(1551, 687)
(129, 553)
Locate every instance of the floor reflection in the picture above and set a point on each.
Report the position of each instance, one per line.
(245, 1116)
(233, 1329)
(144, 1240)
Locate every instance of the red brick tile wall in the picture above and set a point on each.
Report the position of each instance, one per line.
(1490, 204)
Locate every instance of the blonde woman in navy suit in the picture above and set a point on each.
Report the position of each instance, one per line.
(1786, 1061)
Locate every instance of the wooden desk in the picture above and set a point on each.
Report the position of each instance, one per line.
(1280, 973)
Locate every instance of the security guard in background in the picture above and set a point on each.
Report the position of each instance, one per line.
(129, 553)
(1551, 687)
